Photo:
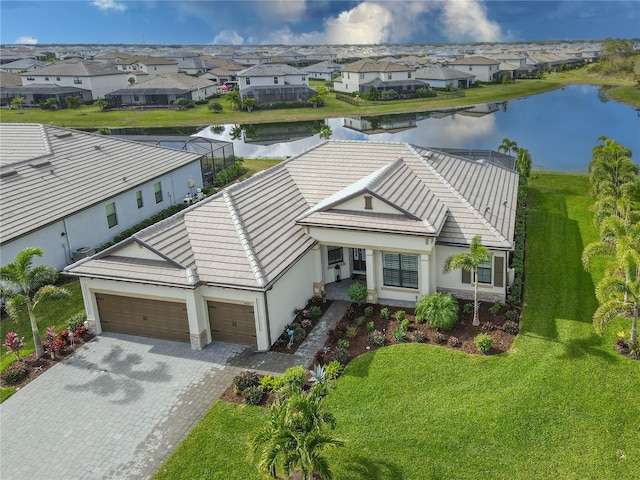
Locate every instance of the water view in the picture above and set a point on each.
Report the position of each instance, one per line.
(559, 128)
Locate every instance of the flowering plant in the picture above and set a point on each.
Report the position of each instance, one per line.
(14, 343)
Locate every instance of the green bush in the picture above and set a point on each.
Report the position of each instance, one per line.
(467, 308)
(229, 174)
(376, 338)
(511, 327)
(313, 312)
(244, 380)
(76, 321)
(484, 342)
(357, 292)
(215, 107)
(370, 327)
(404, 324)
(341, 355)
(419, 337)
(495, 308)
(440, 310)
(333, 369)
(399, 334)
(267, 383)
(293, 378)
(401, 315)
(253, 395)
(512, 315)
(368, 311)
(384, 314)
(343, 343)
(351, 332)
(14, 373)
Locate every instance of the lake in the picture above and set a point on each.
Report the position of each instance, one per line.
(559, 128)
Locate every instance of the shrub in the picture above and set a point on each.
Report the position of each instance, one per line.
(398, 334)
(215, 107)
(306, 323)
(467, 308)
(341, 355)
(349, 313)
(319, 356)
(360, 320)
(333, 370)
(299, 334)
(421, 319)
(454, 341)
(341, 327)
(384, 314)
(512, 315)
(76, 321)
(440, 309)
(244, 380)
(440, 338)
(419, 337)
(332, 334)
(267, 383)
(352, 331)
(495, 308)
(511, 327)
(317, 375)
(63, 339)
(404, 324)
(376, 338)
(357, 292)
(313, 312)
(14, 373)
(370, 327)
(14, 343)
(253, 395)
(368, 311)
(401, 315)
(484, 342)
(487, 327)
(293, 379)
(343, 343)
(634, 349)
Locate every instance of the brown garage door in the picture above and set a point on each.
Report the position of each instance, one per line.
(231, 322)
(144, 317)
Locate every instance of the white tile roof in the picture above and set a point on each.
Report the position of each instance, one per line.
(247, 235)
(48, 173)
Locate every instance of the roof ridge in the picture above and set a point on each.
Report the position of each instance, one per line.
(244, 240)
(462, 198)
(382, 173)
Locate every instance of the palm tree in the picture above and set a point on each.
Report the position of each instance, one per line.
(234, 98)
(523, 162)
(26, 287)
(470, 262)
(508, 146)
(248, 104)
(611, 170)
(102, 103)
(295, 437)
(18, 101)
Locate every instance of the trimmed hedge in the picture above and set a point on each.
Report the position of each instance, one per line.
(520, 236)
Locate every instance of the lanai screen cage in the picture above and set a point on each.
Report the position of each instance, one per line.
(217, 154)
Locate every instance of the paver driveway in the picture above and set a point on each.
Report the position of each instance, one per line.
(115, 409)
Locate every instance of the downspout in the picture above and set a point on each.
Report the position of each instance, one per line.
(68, 254)
(266, 317)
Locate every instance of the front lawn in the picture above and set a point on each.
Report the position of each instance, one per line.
(561, 404)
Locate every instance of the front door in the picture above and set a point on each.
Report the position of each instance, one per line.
(359, 260)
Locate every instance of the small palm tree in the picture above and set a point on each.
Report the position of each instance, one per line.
(611, 170)
(470, 262)
(18, 101)
(439, 309)
(25, 287)
(249, 104)
(102, 103)
(523, 162)
(508, 146)
(295, 437)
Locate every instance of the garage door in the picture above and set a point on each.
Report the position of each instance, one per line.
(144, 317)
(231, 322)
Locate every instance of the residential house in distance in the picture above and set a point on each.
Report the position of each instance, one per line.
(23, 65)
(221, 70)
(68, 192)
(361, 75)
(271, 83)
(94, 78)
(440, 77)
(323, 70)
(163, 90)
(146, 67)
(234, 266)
(485, 69)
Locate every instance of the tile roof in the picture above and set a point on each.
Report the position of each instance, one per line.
(76, 67)
(440, 73)
(181, 81)
(49, 172)
(247, 235)
(476, 60)
(270, 70)
(367, 65)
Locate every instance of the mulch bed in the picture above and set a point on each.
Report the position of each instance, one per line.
(280, 345)
(37, 366)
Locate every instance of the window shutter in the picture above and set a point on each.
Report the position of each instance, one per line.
(498, 271)
(466, 276)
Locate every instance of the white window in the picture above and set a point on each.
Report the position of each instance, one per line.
(247, 81)
(139, 201)
(334, 255)
(157, 190)
(484, 272)
(112, 216)
(275, 80)
(400, 270)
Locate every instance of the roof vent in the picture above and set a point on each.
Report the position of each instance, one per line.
(40, 163)
(63, 135)
(8, 173)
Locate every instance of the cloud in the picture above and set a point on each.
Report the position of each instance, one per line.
(26, 40)
(109, 5)
(291, 11)
(227, 37)
(466, 20)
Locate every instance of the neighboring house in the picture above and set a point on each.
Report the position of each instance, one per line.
(146, 65)
(235, 266)
(23, 65)
(67, 191)
(8, 80)
(193, 66)
(163, 90)
(249, 59)
(272, 83)
(485, 69)
(222, 70)
(360, 76)
(441, 77)
(95, 77)
(323, 70)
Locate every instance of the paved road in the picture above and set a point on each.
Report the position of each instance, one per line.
(119, 405)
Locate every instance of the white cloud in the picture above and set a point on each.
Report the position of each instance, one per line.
(466, 20)
(109, 5)
(283, 10)
(227, 37)
(26, 40)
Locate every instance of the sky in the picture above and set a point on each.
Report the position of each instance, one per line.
(313, 22)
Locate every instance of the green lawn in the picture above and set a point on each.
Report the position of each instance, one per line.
(560, 405)
(92, 117)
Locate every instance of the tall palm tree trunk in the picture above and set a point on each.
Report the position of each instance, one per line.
(36, 334)
(634, 324)
(476, 316)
